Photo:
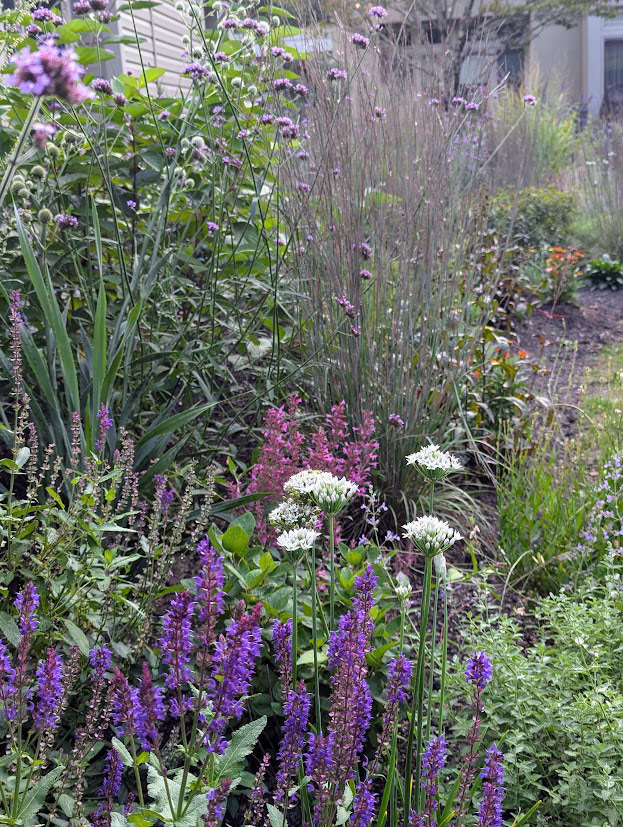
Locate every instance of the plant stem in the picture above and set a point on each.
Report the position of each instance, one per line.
(13, 161)
(429, 714)
(444, 654)
(332, 566)
(417, 705)
(294, 624)
(314, 595)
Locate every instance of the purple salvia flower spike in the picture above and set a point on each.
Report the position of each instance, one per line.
(49, 691)
(490, 811)
(176, 640)
(296, 711)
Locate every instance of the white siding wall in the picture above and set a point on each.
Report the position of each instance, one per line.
(160, 31)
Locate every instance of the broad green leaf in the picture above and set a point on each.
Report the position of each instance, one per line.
(236, 540)
(125, 756)
(242, 743)
(307, 658)
(275, 816)
(35, 797)
(78, 636)
(9, 629)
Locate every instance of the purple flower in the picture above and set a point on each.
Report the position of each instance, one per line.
(170, 152)
(282, 83)
(42, 15)
(81, 7)
(364, 249)
(303, 186)
(176, 643)
(396, 421)
(132, 205)
(149, 708)
(434, 102)
(212, 227)
(530, 100)
(319, 766)
(267, 118)
(120, 99)
(49, 72)
(221, 56)
(472, 106)
(459, 100)
(27, 602)
(282, 646)
(300, 89)
(337, 74)
(360, 41)
(7, 682)
(365, 274)
(216, 804)
(398, 678)
(105, 425)
(49, 691)
(164, 115)
(103, 86)
(490, 810)
(230, 23)
(233, 668)
(364, 804)
(377, 11)
(109, 791)
(64, 221)
(41, 132)
(209, 584)
(433, 761)
(296, 711)
(32, 30)
(100, 659)
(379, 113)
(125, 705)
(196, 71)
(478, 670)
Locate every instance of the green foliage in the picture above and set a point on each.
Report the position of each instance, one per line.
(542, 501)
(605, 273)
(533, 218)
(558, 701)
(175, 304)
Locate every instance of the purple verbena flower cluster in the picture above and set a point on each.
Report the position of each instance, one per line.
(49, 72)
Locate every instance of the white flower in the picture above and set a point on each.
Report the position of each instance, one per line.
(330, 493)
(430, 535)
(433, 463)
(403, 587)
(291, 514)
(440, 565)
(299, 539)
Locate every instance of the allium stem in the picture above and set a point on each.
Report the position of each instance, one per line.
(314, 595)
(444, 654)
(429, 715)
(294, 622)
(13, 161)
(417, 705)
(332, 567)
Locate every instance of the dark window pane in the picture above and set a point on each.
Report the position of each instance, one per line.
(510, 65)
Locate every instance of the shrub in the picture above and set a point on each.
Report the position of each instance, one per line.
(605, 273)
(533, 218)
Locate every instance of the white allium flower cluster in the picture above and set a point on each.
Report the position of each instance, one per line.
(291, 514)
(299, 539)
(430, 535)
(403, 587)
(330, 493)
(433, 463)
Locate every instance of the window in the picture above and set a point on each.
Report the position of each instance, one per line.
(510, 66)
(613, 71)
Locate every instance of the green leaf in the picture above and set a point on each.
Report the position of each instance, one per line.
(236, 540)
(246, 521)
(52, 314)
(9, 629)
(66, 803)
(275, 816)
(78, 636)
(243, 741)
(22, 456)
(92, 54)
(520, 821)
(307, 658)
(125, 756)
(35, 797)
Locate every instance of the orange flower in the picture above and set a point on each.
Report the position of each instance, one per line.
(522, 354)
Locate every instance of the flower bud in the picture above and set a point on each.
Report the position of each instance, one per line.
(44, 216)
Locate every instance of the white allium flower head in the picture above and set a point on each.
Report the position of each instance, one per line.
(330, 493)
(291, 514)
(430, 535)
(299, 539)
(403, 586)
(433, 463)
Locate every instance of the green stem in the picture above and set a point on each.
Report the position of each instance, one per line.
(432, 662)
(332, 565)
(444, 655)
(13, 162)
(137, 775)
(294, 624)
(417, 705)
(314, 593)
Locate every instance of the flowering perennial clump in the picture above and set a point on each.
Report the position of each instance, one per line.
(298, 539)
(329, 493)
(291, 514)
